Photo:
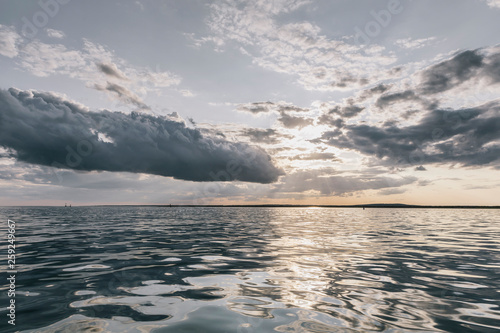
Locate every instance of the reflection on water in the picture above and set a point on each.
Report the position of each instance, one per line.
(130, 269)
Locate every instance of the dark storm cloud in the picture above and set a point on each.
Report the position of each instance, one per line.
(469, 137)
(451, 73)
(41, 128)
(111, 70)
(269, 135)
(293, 122)
(123, 94)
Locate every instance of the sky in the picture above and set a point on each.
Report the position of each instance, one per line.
(250, 102)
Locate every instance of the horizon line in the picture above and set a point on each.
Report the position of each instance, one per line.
(378, 205)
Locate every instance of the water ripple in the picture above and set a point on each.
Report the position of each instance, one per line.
(142, 269)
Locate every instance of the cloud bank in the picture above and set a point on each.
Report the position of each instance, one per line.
(45, 129)
(467, 136)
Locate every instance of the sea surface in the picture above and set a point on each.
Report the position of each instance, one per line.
(162, 269)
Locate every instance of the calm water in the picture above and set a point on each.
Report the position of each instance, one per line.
(122, 269)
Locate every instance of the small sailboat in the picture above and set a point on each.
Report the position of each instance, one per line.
(65, 205)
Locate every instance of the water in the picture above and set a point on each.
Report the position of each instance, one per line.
(142, 269)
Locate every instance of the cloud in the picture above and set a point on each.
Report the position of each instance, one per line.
(110, 69)
(391, 191)
(405, 96)
(316, 156)
(466, 136)
(256, 107)
(9, 39)
(334, 115)
(413, 44)
(268, 136)
(123, 94)
(471, 71)
(378, 89)
(52, 33)
(293, 122)
(282, 107)
(347, 111)
(186, 93)
(87, 64)
(42, 128)
(327, 182)
(451, 73)
(420, 168)
(316, 61)
(266, 107)
(388, 99)
(327, 119)
(493, 3)
(492, 67)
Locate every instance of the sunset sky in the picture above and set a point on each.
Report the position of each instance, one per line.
(250, 102)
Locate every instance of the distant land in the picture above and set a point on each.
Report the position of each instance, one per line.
(378, 205)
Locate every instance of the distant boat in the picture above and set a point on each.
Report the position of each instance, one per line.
(65, 205)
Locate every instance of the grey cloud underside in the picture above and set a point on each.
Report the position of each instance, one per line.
(123, 94)
(329, 183)
(459, 69)
(347, 111)
(268, 136)
(289, 121)
(42, 128)
(256, 107)
(406, 96)
(265, 107)
(316, 156)
(444, 76)
(469, 137)
(111, 70)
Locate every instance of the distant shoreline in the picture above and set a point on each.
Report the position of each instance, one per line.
(316, 206)
(288, 206)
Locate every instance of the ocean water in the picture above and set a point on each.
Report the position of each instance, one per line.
(153, 269)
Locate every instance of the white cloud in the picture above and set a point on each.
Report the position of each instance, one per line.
(52, 33)
(298, 49)
(493, 3)
(186, 93)
(9, 39)
(410, 43)
(140, 5)
(93, 64)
